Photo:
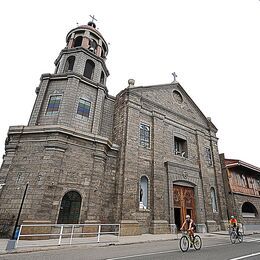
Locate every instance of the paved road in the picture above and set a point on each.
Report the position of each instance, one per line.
(214, 248)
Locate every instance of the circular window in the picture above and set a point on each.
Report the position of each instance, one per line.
(177, 97)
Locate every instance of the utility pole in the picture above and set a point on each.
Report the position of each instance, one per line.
(20, 210)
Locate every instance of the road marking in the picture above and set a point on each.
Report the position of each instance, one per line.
(133, 256)
(245, 256)
(252, 240)
(157, 253)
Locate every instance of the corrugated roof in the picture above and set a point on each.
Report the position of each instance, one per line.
(230, 163)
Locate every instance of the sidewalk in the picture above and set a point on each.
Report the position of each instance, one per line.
(123, 240)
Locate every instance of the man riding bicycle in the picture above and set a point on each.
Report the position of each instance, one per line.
(189, 225)
(233, 223)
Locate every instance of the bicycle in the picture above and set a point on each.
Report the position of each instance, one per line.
(186, 242)
(234, 236)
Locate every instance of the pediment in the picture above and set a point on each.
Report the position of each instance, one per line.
(172, 97)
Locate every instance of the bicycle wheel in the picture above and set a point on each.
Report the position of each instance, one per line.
(240, 237)
(233, 237)
(197, 242)
(184, 244)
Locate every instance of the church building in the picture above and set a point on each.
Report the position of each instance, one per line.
(143, 159)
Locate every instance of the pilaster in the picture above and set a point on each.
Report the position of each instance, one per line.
(159, 177)
(98, 112)
(94, 204)
(41, 93)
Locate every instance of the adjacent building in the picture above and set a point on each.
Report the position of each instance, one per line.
(144, 158)
(242, 187)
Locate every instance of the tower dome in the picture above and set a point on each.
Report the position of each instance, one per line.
(88, 37)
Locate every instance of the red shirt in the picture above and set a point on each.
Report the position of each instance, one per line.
(233, 221)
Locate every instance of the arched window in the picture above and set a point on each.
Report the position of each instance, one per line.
(143, 197)
(102, 78)
(78, 41)
(93, 46)
(70, 208)
(249, 210)
(103, 51)
(69, 64)
(89, 69)
(213, 200)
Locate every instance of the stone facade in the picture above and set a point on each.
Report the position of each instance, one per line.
(155, 106)
(101, 157)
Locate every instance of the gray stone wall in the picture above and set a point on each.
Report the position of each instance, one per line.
(54, 163)
(72, 88)
(239, 201)
(107, 122)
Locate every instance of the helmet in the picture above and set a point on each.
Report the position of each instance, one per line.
(187, 216)
(232, 217)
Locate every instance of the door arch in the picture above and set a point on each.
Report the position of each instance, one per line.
(70, 208)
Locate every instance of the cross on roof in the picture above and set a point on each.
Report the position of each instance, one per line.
(93, 18)
(174, 76)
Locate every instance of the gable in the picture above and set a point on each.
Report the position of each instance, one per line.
(172, 98)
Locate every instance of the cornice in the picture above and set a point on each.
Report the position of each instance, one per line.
(77, 76)
(63, 130)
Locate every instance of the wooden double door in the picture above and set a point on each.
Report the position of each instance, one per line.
(183, 203)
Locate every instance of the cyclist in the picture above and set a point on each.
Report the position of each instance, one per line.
(233, 223)
(189, 225)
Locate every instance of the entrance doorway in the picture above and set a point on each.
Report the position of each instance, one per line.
(177, 217)
(183, 203)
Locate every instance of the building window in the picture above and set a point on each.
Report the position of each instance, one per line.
(180, 147)
(83, 108)
(89, 69)
(143, 197)
(209, 156)
(78, 41)
(102, 78)
(213, 200)
(53, 105)
(241, 180)
(69, 64)
(145, 135)
(249, 210)
(70, 208)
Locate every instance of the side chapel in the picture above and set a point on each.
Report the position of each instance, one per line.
(144, 158)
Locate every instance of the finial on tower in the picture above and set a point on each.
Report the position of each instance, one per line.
(131, 83)
(92, 23)
(93, 18)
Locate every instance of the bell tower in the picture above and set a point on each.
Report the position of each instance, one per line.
(65, 154)
(84, 54)
(74, 95)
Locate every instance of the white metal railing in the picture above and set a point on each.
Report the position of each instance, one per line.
(174, 229)
(66, 234)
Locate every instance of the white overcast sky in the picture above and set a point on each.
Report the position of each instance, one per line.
(212, 45)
